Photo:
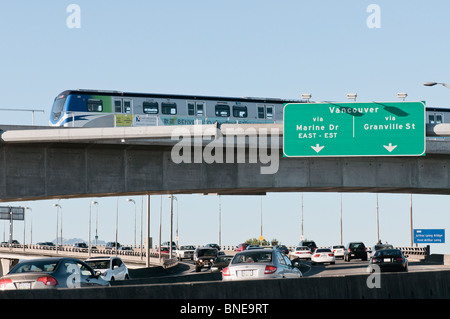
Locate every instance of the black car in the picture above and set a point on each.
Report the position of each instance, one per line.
(388, 260)
(221, 262)
(355, 250)
(204, 257)
(281, 248)
(308, 243)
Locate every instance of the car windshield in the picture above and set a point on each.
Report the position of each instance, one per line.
(357, 245)
(98, 264)
(388, 252)
(302, 248)
(34, 266)
(187, 248)
(323, 250)
(253, 257)
(207, 252)
(335, 247)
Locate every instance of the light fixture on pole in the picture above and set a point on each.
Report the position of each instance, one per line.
(435, 83)
(306, 96)
(402, 95)
(352, 96)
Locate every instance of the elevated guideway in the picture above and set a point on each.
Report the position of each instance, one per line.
(50, 163)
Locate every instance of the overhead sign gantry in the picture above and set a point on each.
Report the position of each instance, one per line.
(354, 129)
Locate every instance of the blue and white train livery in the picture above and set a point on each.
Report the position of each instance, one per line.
(91, 108)
(94, 108)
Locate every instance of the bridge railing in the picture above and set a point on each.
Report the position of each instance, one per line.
(407, 251)
(166, 261)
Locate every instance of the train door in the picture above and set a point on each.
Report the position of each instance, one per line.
(123, 110)
(197, 109)
(123, 106)
(265, 112)
(435, 118)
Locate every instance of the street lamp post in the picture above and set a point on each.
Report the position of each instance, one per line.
(31, 226)
(171, 225)
(132, 201)
(89, 236)
(57, 209)
(117, 224)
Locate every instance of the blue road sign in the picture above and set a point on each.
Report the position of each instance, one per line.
(429, 236)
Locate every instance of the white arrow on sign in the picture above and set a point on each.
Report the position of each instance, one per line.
(390, 147)
(317, 148)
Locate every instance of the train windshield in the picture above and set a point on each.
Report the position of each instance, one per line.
(58, 106)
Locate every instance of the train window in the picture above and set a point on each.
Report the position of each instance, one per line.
(118, 106)
(150, 107)
(269, 112)
(191, 109)
(127, 106)
(169, 108)
(239, 111)
(222, 110)
(94, 105)
(261, 112)
(199, 109)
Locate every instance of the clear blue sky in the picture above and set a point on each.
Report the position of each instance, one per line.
(230, 48)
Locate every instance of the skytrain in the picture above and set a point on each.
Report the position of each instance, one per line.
(96, 108)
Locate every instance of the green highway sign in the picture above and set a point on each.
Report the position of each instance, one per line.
(354, 129)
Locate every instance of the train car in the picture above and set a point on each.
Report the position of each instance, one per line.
(94, 108)
(91, 108)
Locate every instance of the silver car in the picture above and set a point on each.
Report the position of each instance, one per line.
(48, 273)
(260, 264)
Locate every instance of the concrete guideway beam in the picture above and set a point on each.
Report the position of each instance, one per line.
(68, 170)
(46, 135)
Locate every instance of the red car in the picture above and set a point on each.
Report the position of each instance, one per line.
(241, 247)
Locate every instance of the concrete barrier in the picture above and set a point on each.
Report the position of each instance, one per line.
(416, 285)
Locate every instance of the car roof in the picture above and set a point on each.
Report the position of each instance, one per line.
(100, 258)
(257, 249)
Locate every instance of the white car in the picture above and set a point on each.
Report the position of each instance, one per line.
(338, 250)
(301, 252)
(322, 255)
(110, 268)
(185, 252)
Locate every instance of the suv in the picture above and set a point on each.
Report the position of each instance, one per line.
(308, 243)
(204, 257)
(355, 250)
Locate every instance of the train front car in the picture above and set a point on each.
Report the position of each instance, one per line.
(94, 108)
(82, 109)
(58, 109)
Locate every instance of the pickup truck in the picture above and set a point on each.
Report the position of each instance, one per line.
(185, 252)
